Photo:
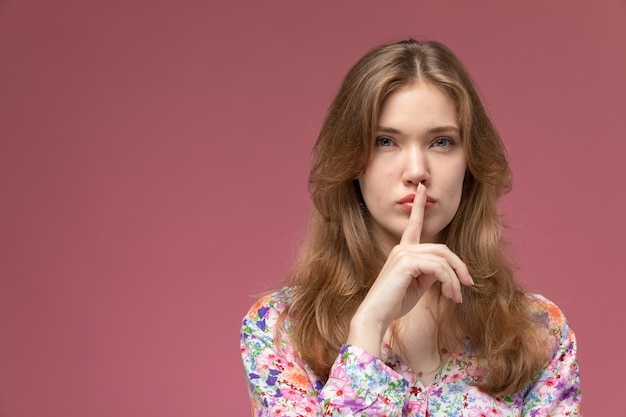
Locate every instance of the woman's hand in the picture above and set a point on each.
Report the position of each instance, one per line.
(411, 268)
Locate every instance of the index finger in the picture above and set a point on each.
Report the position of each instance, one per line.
(413, 231)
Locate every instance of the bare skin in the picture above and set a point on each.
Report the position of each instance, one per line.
(404, 288)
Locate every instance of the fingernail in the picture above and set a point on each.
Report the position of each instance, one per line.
(471, 280)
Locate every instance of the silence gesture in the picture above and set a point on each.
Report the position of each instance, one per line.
(411, 268)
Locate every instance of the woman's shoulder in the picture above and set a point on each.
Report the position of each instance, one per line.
(548, 314)
(270, 306)
(556, 388)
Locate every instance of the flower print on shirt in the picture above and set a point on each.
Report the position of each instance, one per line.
(362, 385)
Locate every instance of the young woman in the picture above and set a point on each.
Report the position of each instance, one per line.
(402, 302)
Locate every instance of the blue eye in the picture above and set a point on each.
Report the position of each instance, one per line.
(384, 142)
(442, 142)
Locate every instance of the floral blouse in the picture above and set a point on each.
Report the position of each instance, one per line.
(360, 384)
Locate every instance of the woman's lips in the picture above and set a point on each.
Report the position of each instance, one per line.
(407, 202)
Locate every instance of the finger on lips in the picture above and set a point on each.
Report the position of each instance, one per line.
(413, 231)
(453, 271)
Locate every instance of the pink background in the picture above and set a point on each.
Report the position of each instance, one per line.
(153, 167)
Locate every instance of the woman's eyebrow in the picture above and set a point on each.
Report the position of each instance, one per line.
(384, 129)
(438, 129)
(444, 129)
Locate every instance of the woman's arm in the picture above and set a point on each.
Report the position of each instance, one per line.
(409, 271)
(279, 384)
(360, 384)
(556, 392)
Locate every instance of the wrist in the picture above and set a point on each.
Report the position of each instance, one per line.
(366, 333)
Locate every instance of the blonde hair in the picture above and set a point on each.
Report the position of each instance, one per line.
(340, 259)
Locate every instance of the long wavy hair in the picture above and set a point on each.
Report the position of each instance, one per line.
(340, 259)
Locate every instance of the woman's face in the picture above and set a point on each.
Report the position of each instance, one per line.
(417, 140)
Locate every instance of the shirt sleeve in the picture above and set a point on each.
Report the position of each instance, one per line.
(359, 383)
(556, 392)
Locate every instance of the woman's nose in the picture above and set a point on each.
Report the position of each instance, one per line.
(415, 167)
